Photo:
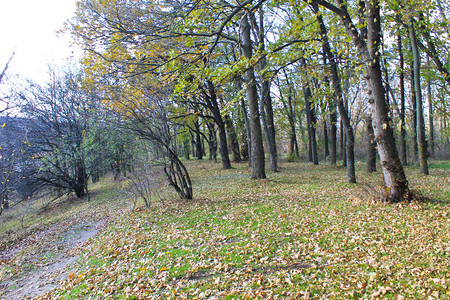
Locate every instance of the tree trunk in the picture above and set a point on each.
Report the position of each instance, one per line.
(288, 107)
(430, 118)
(414, 112)
(333, 134)
(327, 83)
(223, 144)
(233, 139)
(343, 141)
(212, 141)
(80, 184)
(223, 147)
(403, 152)
(371, 165)
(199, 144)
(394, 175)
(421, 142)
(257, 150)
(268, 125)
(308, 125)
(178, 176)
(325, 139)
(197, 138)
(311, 125)
(246, 122)
(266, 103)
(5, 201)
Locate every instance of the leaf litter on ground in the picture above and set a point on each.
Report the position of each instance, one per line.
(302, 233)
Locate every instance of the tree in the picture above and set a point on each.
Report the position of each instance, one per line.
(257, 150)
(403, 152)
(371, 165)
(59, 113)
(422, 144)
(265, 97)
(338, 94)
(148, 115)
(16, 161)
(369, 53)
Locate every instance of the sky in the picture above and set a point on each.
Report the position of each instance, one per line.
(29, 28)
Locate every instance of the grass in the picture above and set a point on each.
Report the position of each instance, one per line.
(302, 233)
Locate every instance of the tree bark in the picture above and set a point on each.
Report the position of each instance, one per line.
(266, 103)
(81, 182)
(197, 138)
(212, 141)
(289, 108)
(214, 107)
(430, 118)
(421, 141)
(343, 112)
(394, 175)
(333, 134)
(310, 118)
(236, 154)
(257, 150)
(403, 151)
(177, 176)
(371, 165)
(246, 122)
(414, 115)
(325, 139)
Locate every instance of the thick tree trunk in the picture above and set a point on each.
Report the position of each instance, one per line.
(257, 150)
(371, 165)
(394, 175)
(268, 124)
(421, 141)
(403, 152)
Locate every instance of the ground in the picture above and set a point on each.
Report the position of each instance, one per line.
(43, 248)
(302, 233)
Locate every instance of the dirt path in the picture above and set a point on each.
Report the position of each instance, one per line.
(46, 259)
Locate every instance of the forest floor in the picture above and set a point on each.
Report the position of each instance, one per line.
(302, 233)
(39, 248)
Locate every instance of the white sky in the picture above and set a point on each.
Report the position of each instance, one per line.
(29, 28)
